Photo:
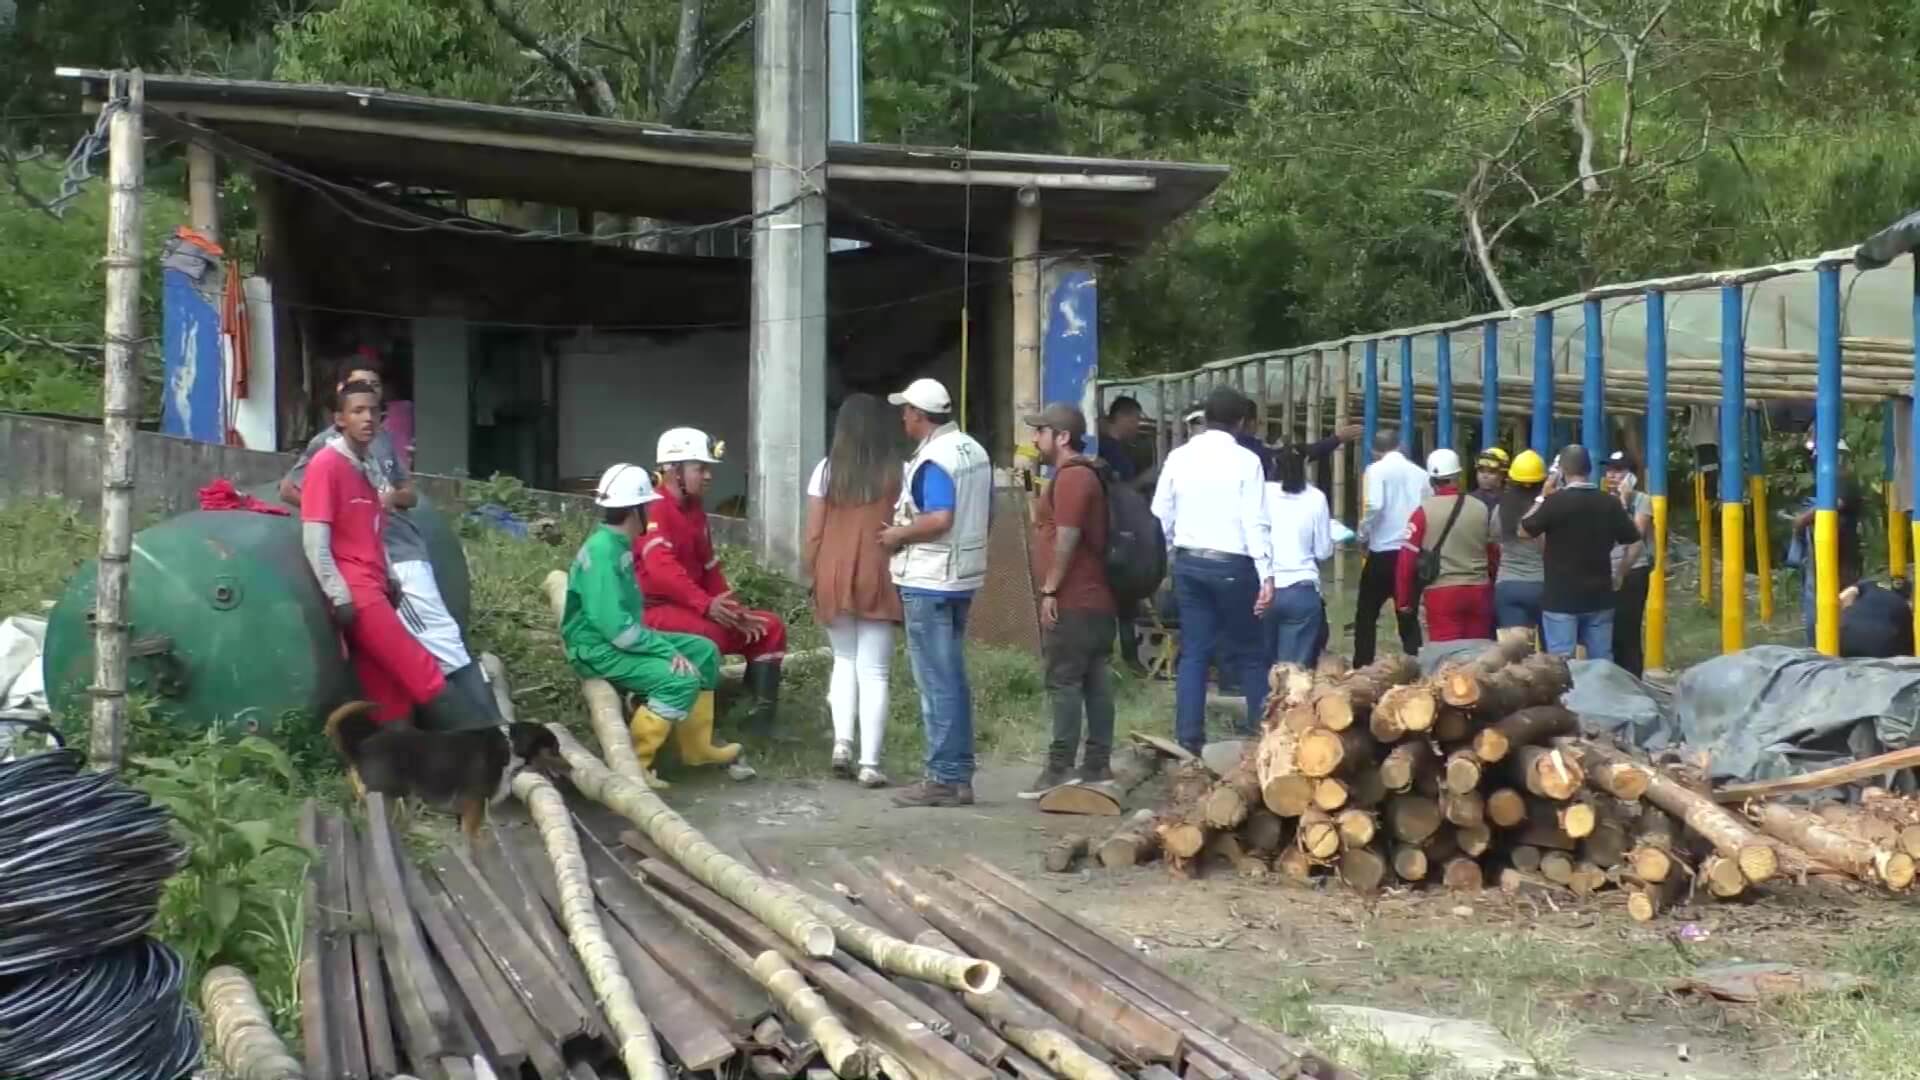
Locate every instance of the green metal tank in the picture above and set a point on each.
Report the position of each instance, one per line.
(229, 627)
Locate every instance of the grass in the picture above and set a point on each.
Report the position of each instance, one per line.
(1874, 1033)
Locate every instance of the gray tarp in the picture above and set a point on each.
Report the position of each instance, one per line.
(1614, 704)
(1773, 711)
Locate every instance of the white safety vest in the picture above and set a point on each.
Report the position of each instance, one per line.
(957, 561)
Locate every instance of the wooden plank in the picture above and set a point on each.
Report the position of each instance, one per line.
(1175, 997)
(731, 993)
(543, 1053)
(345, 1018)
(874, 1017)
(427, 1015)
(493, 1030)
(1021, 1067)
(546, 993)
(376, 1025)
(509, 877)
(316, 1005)
(692, 1032)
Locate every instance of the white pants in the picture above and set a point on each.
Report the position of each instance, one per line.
(862, 660)
(425, 615)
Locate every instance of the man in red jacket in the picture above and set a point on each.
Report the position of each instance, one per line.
(1456, 528)
(685, 590)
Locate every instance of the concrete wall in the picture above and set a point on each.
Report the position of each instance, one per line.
(443, 412)
(43, 458)
(618, 392)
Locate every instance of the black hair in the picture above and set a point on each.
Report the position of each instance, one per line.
(353, 362)
(1386, 440)
(1125, 403)
(1576, 461)
(1225, 407)
(358, 386)
(617, 516)
(863, 464)
(1288, 468)
(1514, 504)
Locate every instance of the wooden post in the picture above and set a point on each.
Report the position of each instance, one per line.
(1162, 420)
(1315, 391)
(1260, 398)
(1286, 405)
(120, 411)
(1026, 311)
(203, 190)
(1340, 421)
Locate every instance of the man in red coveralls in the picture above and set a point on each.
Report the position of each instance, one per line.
(680, 577)
(341, 518)
(1455, 530)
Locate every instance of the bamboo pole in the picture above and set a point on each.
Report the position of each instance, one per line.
(240, 1030)
(1342, 407)
(845, 1055)
(639, 1050)
(120, 412)
(964, 974)
(711, 866)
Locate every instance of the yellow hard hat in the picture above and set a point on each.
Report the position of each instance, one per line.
(1493, 457)
(1528, 468)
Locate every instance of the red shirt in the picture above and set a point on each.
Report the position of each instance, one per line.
(674, 558)
(1074, 500)
(338, 494)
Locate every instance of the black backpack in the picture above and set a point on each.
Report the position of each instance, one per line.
(1136, 544)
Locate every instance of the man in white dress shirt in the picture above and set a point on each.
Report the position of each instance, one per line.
(1395, 487)
(1211, 499)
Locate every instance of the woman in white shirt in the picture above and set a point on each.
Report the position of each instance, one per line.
(1301, 530)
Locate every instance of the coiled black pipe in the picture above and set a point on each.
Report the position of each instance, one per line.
(84, 994)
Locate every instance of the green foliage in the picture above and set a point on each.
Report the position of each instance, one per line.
(238, 896)
(766, 590)
(445, 48)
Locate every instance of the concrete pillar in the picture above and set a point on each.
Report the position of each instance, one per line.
(1025, 391)
(203, 190)
(787, 392)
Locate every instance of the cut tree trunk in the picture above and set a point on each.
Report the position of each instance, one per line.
(1463, 874)
(1452, 725)
(1468, 810)
(1528, 727)
(1540, 679)
(1403, 709)
(1179, 836)
(1557, 867)
(1413, 818)
(1525, 858)
(1460, 683)
(1820, 779)
(1619, 777)
(1227, 846)
(1577, 818)
(1322, 752)
(1337, 706)
(1648, 900)
(1587, 879)
(1406, 764)
(1063, 853)
(1506, 808)
(1331, 793)
(1463, 772)
(1318, 836)
(1474, 840)
(1606, 846)
(1723, 876)
(1283, 788)
(1288, 685)
(1543, 830)
(1357, 828)
(1549, 773)
(1757, 857)
(1364, 869)
(1263, 832)
(1237, 793)
(1410, 862)
(1856, 858)
(1293, 864)
(1134, 842)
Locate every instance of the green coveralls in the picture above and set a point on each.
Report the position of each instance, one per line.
(606, 639)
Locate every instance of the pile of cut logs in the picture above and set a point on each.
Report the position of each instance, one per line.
(1477, 776)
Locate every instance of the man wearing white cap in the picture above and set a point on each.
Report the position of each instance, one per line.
(939, 544)
(1450, 558)
(606, 636)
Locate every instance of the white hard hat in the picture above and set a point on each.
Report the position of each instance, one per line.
(622, 486)
(927, 395)
(686, 444)
(1842, 446)
(1443, 462)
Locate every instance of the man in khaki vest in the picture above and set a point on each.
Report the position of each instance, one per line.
(1452, 534)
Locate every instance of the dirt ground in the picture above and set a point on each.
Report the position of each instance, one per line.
(1578, 987)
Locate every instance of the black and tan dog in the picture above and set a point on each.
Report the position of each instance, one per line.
(465, 769)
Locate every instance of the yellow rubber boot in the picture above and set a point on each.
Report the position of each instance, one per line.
(694, 736)
(650, 731)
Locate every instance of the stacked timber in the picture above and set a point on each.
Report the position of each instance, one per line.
(1477, 777)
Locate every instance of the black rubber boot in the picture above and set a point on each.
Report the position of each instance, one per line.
(1095, 764)
(466, 704)
(763, 682)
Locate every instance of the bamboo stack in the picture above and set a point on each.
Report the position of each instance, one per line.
(1477, 777)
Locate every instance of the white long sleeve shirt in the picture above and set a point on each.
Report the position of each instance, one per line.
(1212, 495)
(1394, 489)
(1302, 534)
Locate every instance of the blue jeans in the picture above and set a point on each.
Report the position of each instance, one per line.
(1517, 603)
(1216, 616)
(1594, 629)
(937, 651)
(1295, 625)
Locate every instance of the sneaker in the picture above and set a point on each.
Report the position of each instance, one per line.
(1050, 777)
(843, 759)
(871, 777)
(933, 793)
